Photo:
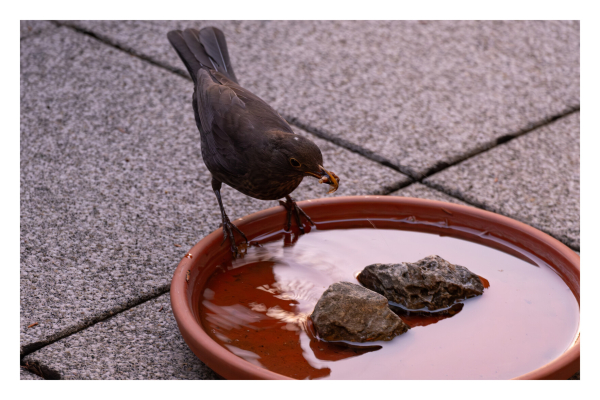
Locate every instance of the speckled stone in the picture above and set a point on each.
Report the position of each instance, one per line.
(141, 343)
(421, 191)
(28, 376)
(112, 179)
(534, 179)
(417, 93)
(33, 27)
(431, 282)
(351, 312)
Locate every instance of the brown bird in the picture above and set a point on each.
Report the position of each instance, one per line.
(245, 143)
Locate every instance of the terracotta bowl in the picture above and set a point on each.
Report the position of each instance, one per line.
(404, 213)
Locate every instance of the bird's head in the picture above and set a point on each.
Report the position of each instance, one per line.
(303, 157)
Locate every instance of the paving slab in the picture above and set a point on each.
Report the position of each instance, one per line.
(140, 343)
(33, 27)
(421, 191)
(533, 178)
(419, 94)
(28, 376)
(113, 190)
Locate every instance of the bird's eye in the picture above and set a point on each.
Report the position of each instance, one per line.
(295, 163)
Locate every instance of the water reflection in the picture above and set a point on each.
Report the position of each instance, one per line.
(256, 318)
(335, 351)
(414, 318)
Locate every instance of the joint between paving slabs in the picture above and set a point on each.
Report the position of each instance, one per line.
(108, 41)
(41, 370)
(482, 206)
(442, 165)
(35, 346)
(353, 147)
(389, 189)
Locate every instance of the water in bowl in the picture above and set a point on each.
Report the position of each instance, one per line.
(257, 308)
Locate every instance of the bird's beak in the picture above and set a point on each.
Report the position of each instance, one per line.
(328, 177)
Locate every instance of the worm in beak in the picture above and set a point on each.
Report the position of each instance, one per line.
(330, 178)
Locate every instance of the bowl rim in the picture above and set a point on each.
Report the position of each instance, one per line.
(231, 366)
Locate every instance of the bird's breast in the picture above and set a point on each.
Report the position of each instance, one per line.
(264, 186)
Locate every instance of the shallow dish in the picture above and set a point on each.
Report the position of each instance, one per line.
(410, 214)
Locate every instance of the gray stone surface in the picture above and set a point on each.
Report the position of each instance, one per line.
(534, 179)
(421, 191)
(28, 376)
(418, 93)
(141, 343)
(431, 282)
(33, 27)
(347, 311)
(112, 180)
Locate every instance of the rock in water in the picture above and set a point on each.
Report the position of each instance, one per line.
(350, 312)
(431, 282)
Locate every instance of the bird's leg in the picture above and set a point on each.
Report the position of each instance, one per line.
(293, 208)
(228, 227)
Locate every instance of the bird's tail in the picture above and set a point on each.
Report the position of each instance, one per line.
(205, 48)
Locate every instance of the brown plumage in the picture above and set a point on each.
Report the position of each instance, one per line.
(245, 143)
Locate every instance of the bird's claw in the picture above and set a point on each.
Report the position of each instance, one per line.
(228, 229)
(292, 208)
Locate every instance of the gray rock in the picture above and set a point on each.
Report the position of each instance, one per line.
(431, 282)
(347, 311)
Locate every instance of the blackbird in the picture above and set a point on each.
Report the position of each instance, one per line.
(245, 143)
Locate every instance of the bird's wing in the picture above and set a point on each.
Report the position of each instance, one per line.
(263, 116)
(219, 113)
(232, 120)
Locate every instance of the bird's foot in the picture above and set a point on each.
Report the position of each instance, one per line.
(228, 229)
(293, 208)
